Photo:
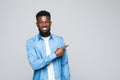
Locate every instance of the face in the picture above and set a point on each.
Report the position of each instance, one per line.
(43, 24)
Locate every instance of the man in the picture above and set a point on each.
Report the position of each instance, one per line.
(46, 52)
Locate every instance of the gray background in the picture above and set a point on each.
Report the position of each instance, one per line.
(90, 27)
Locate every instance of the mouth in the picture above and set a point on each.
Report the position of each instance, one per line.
(44, 29)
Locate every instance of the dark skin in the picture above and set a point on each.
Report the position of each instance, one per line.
(60, 51)
(44, 24)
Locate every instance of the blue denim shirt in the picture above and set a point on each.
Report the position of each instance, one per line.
(38, 60)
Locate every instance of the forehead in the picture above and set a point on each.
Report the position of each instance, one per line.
(43, 18)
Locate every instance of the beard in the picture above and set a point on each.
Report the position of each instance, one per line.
(45, 34)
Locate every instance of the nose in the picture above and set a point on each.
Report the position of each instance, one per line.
(44, 24)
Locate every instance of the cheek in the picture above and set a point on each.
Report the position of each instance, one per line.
(39, 25)
(49, 24)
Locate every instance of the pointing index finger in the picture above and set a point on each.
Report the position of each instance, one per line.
(65, 46)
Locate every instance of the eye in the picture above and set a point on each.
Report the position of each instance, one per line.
(47, 22)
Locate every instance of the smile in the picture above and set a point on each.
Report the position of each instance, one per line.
(45, 28)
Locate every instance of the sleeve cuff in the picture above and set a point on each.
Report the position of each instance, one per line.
(52, 56)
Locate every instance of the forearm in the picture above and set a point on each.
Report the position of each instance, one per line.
(40, 63)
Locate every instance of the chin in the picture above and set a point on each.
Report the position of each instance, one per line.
(44, 31)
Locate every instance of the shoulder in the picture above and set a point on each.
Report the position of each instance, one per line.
(31, 39)
(57, 37)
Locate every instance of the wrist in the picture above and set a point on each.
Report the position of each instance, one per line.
(56, 53)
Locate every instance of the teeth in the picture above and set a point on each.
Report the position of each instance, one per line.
(44, 28)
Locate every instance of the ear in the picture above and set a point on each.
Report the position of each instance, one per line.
(37, 24)
(50, 22)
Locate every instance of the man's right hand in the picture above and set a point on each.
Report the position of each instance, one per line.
(60, 51)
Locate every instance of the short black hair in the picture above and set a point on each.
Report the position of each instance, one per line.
(43, 13)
